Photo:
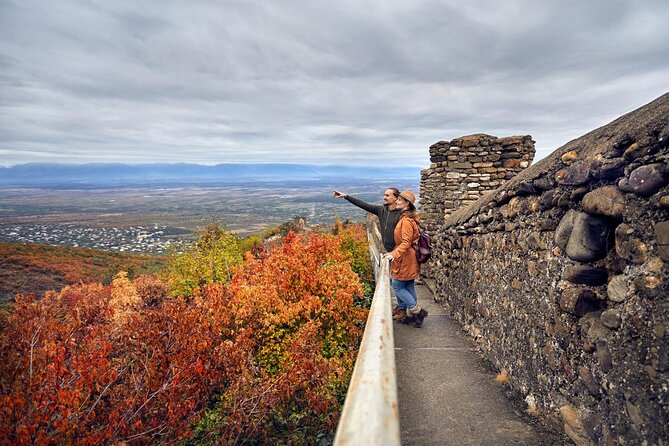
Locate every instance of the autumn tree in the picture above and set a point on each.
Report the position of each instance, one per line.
(293, 310)
(211, 259)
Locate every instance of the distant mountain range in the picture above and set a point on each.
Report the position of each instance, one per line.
(47, 174)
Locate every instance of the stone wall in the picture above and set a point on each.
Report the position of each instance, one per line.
(464, 169)
(561, 276)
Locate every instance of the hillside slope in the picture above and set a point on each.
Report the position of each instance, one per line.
(35, 268)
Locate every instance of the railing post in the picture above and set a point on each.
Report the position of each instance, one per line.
(370, 415)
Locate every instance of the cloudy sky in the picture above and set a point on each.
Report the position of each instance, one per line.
(326, 82)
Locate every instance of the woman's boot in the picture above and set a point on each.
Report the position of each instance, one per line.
(418, 314)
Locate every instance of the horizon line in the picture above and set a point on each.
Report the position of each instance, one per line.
(208, 165)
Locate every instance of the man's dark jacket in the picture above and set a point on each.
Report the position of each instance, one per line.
(387, 219)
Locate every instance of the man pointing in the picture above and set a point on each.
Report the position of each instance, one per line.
(388, 215)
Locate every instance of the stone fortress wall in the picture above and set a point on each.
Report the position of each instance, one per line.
(561, 274)
(464, 169)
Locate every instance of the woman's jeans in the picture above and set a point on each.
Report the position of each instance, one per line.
(405, 292)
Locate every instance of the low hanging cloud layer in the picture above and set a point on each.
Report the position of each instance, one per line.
(348, 82)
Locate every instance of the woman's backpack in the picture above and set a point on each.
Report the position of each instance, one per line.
(423, 246)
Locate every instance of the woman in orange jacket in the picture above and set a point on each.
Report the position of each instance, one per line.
(405, 267)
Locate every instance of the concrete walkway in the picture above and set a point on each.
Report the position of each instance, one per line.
(446, 395)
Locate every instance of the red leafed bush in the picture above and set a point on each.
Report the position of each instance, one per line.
(56, 360)
(263, 359)
(293, 309)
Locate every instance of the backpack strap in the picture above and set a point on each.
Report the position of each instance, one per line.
(416, 225)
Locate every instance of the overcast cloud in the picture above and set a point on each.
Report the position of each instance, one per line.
(325, 82)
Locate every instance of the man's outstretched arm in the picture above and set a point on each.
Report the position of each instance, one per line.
(371, 208)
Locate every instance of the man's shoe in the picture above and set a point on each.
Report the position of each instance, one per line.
(419, 318)
(408, 319)
(395, 310)
(399, 315)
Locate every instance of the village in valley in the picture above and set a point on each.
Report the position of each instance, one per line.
(135, 239)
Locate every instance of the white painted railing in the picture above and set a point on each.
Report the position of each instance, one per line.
(370, 415)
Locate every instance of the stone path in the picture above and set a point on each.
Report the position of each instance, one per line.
(446, 395)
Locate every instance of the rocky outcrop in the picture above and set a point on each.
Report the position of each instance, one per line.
(562, 277)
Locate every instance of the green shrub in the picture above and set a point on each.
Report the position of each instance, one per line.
(211, 259)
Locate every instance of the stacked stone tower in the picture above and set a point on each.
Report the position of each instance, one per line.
(464, 169)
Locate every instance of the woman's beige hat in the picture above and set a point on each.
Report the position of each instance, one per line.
(408, 196)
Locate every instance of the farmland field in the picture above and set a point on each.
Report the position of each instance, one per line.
(147, 219)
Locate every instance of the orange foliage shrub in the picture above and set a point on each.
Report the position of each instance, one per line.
(55, 358)
(150, 289)
(264, 359)
(293, 309)
(73, 373)
(124, 298)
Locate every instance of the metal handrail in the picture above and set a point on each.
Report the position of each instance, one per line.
(370, 415)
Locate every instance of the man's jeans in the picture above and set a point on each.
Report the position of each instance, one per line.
(405, 292)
